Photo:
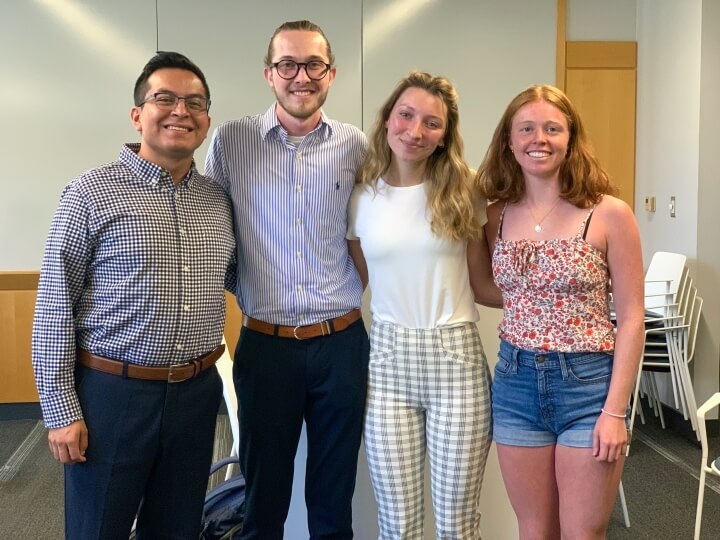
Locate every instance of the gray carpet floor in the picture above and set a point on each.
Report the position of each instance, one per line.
(660, 484)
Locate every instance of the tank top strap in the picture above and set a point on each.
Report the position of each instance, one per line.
(502, 218)
(585, 225)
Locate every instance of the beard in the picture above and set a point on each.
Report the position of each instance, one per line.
(304, 109)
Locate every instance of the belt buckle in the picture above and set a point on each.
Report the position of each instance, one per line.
(325, 330)
(172, 378)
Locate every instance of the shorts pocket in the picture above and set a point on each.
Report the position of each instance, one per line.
(503, 367)
(591, 368)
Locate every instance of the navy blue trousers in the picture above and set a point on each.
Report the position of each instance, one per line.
(279, 383)
(149, 450)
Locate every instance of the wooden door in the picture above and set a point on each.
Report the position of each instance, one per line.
(600, 79)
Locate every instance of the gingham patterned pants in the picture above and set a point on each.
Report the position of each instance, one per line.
(428, 391)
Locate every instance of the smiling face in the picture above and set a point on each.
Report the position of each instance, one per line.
(169, 137)
(539, 137)
(299, 99)
(416, 125)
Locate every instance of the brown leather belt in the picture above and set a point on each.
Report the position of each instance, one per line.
(323, 328)
(172, 374)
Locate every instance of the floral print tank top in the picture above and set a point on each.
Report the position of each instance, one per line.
(555, 293)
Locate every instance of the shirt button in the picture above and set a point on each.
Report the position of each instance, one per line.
(182, 231)
(179, 346)
(301, 317)
(186, 268)
(298, 187)
(299, 155)
(299, 287)
(186, 307)
(177, 195)
(299, 254)
(298, 221)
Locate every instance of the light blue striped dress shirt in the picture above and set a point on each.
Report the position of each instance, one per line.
(290, 216)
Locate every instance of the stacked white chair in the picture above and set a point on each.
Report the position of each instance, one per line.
(672, 315)
(712, 467)
(673, 309)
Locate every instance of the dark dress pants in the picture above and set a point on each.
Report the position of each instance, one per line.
(279, 383)
(149, 450)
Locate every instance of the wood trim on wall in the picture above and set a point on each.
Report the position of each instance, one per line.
(601, 55)
(19, 281)
(18, 291)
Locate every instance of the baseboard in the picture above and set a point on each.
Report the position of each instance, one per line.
(20, 411)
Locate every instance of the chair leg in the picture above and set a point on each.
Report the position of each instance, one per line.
(623, 505)
(640, 411)
(655, 399)
(701, 493)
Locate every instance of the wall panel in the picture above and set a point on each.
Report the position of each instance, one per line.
(69, 67)
(229, 39)
(490, 50)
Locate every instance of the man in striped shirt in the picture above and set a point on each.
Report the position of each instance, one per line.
(129, 320)
(303, 349)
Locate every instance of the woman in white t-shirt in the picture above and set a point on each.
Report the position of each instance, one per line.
(415, 228)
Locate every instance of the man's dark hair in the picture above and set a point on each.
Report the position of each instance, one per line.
(162, 60)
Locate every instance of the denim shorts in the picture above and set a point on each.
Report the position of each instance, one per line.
(539, 399)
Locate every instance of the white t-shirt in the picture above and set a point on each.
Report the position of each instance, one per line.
(417, 279)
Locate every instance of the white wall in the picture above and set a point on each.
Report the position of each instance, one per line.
(592, 20)
(707, 355)
(668, 120)
(65, 97)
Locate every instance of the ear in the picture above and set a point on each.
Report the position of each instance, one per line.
(331, 75)
(135, 113)
(268, 73)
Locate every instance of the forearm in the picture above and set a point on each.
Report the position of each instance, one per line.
(487, 293)
(629, 343)
(54, 352)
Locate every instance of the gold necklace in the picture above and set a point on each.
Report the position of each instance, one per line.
(538, 222)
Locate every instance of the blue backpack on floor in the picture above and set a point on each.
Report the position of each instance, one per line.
(224, 510)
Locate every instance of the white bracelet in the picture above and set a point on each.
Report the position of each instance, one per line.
(623, 416)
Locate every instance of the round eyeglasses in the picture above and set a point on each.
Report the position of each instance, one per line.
(168, 100)
(288, 69)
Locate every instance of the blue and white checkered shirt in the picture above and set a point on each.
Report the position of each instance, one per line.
(290, 215)
(134, 269)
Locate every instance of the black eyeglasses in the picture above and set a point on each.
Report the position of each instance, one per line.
(288, 69)
(168, 100)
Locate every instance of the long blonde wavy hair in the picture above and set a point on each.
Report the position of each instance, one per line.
(583, 181)
(451, 201)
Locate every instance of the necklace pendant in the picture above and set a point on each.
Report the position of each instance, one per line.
(538, 228)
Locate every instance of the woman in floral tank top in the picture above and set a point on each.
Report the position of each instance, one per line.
(558, 237)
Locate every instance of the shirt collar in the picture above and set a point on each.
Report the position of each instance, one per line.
(151, 173)
(270, 125)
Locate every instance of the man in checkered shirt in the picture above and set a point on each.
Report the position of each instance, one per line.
(129, 320)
